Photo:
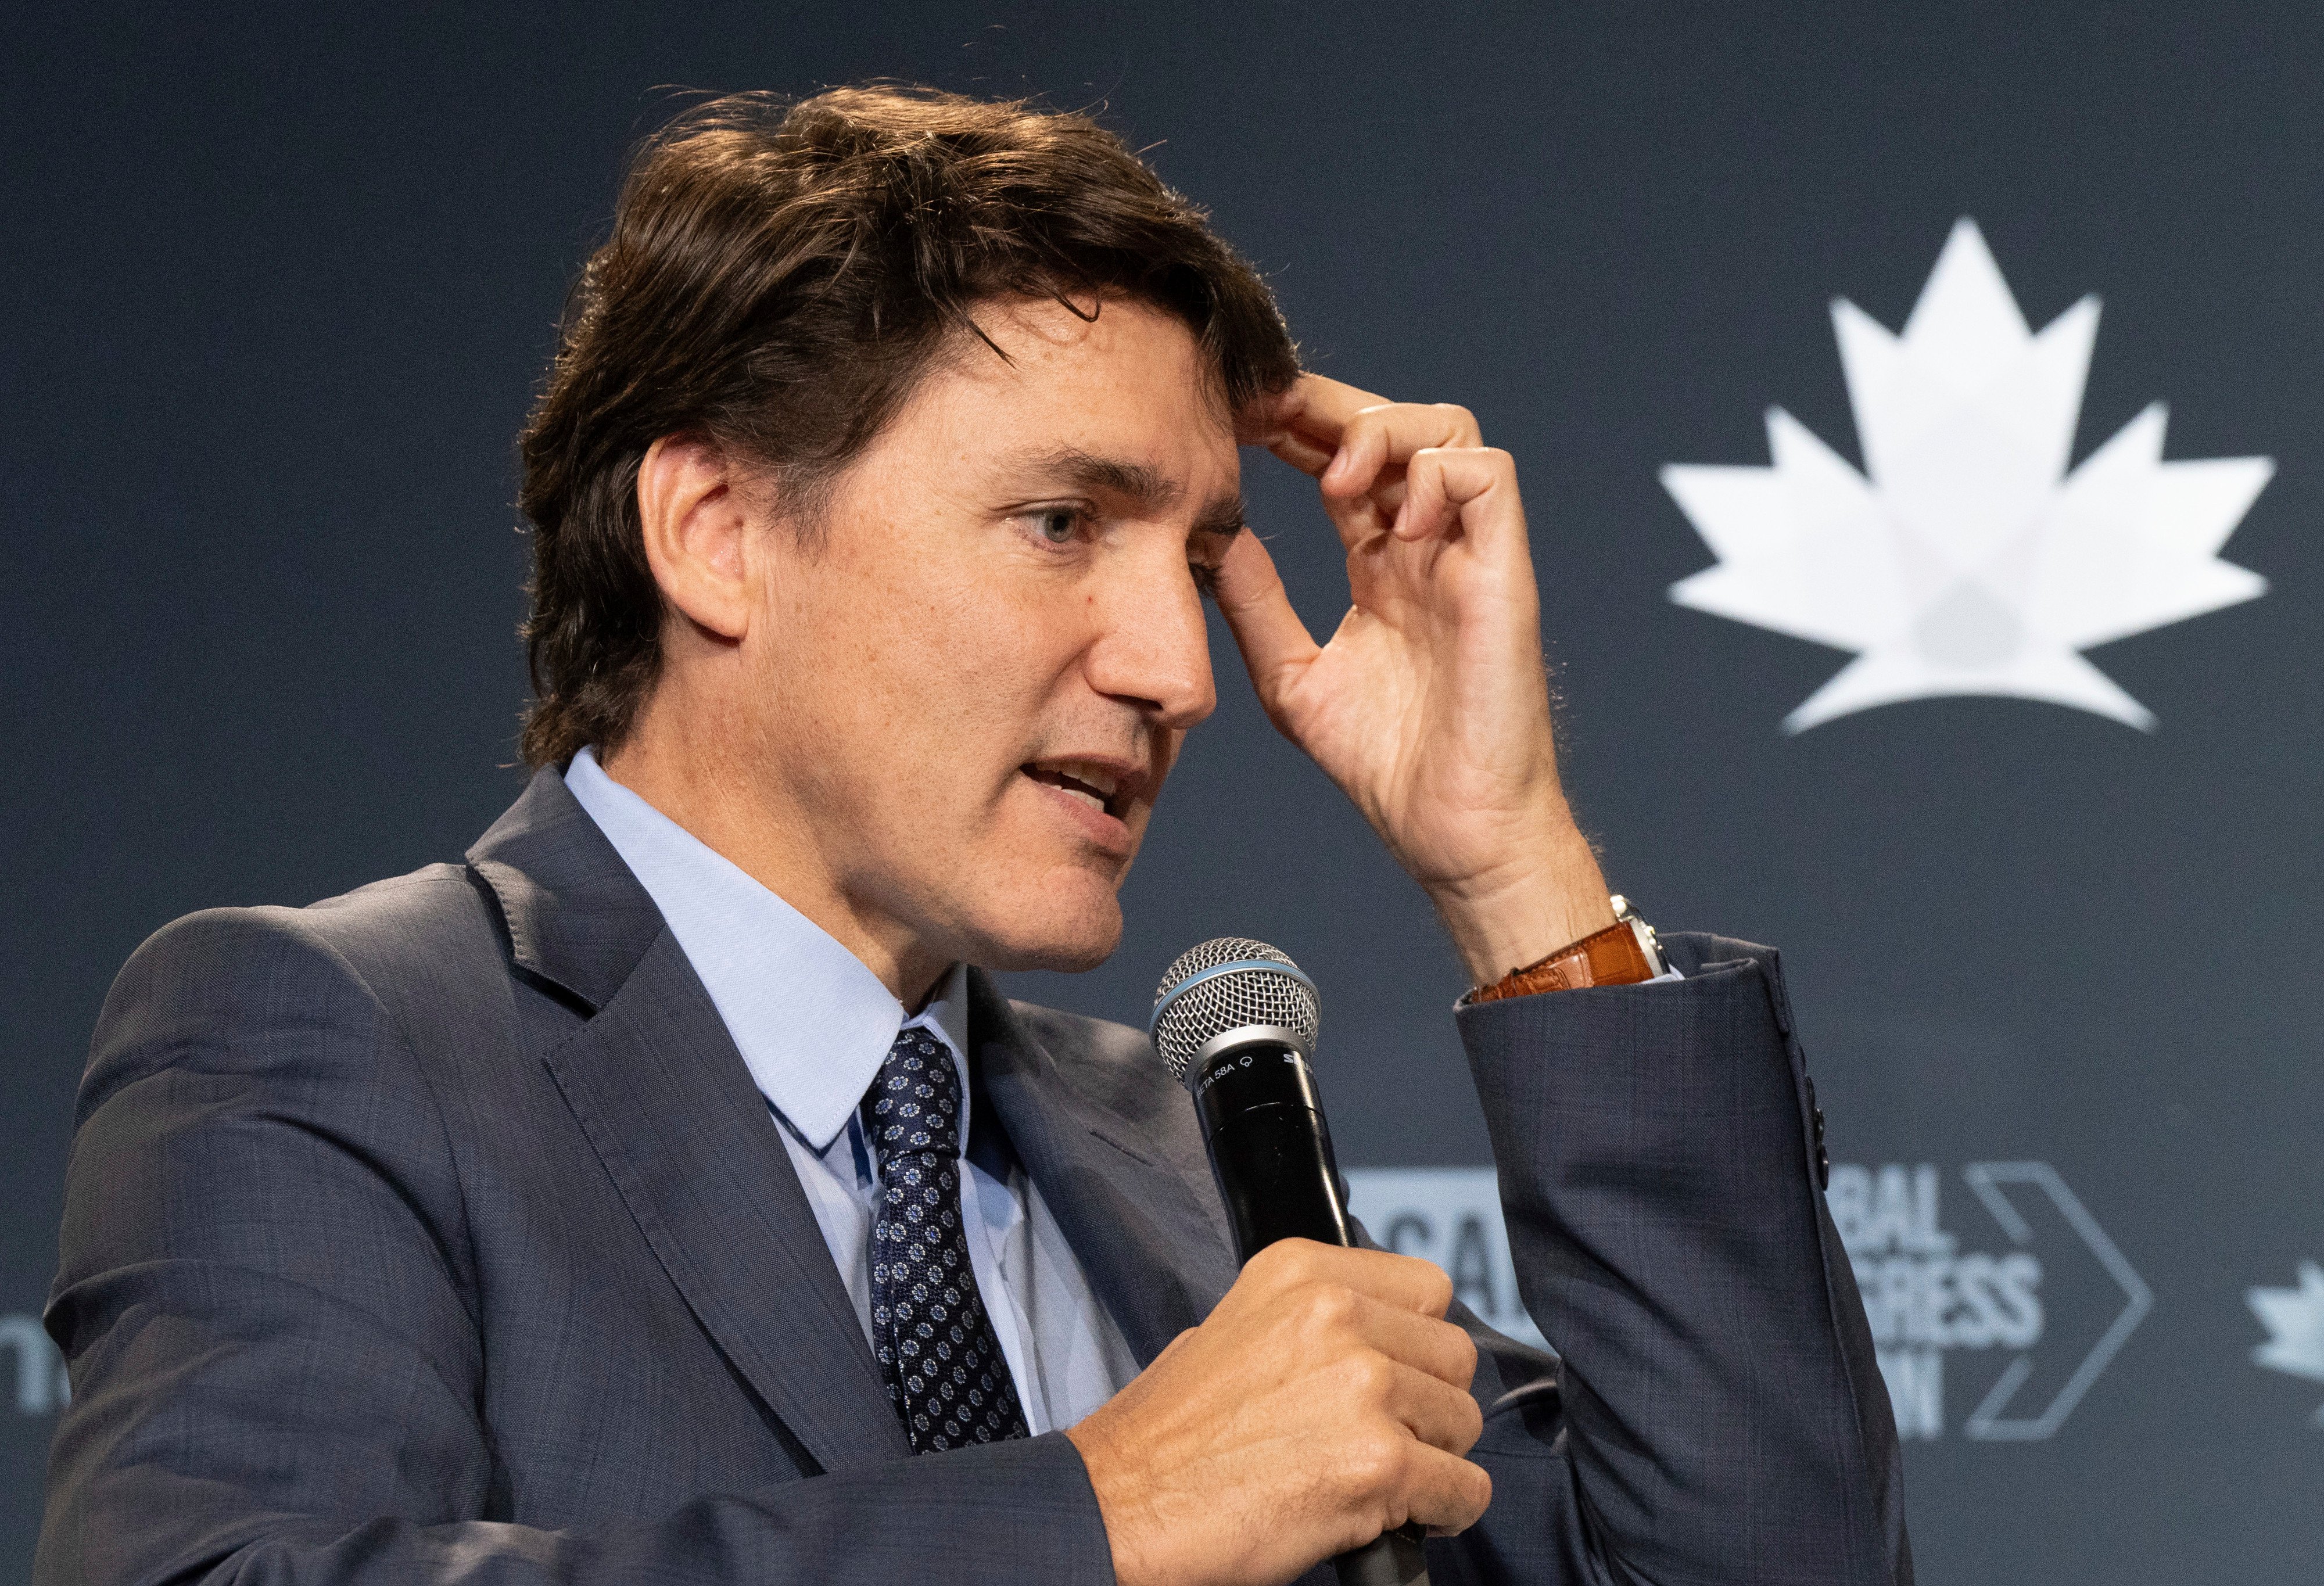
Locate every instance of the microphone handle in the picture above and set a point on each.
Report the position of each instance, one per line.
(1392, 1558)
(1272, 1153)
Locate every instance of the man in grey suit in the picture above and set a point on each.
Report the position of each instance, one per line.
(660, 1196)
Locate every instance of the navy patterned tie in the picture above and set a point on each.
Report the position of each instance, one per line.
(945, 1370)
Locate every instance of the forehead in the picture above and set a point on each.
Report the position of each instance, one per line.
(1128, 383)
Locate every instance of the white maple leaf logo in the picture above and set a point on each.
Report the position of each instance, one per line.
(2294, 1320)
(1971, 561)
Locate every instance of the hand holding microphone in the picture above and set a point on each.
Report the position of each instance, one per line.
(1325, 1401)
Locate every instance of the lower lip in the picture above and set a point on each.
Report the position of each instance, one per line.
(1105, 831)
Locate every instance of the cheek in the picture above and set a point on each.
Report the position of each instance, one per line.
(901, 644)
(952, 696)
(997, 658)
(942, 667)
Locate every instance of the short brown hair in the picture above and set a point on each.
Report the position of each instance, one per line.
(779, 278)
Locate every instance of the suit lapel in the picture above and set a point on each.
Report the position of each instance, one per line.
(667, 1103)
(1156, 1256)
(664, 1097)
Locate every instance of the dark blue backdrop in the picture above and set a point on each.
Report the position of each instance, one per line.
(276, 282)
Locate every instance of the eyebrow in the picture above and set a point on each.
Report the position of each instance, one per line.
(1222, 517)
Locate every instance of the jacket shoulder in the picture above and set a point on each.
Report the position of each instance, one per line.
(407, 927)
(225, 986)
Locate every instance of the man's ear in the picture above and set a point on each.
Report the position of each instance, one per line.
(695, 515)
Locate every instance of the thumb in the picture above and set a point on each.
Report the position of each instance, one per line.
(1275, 645)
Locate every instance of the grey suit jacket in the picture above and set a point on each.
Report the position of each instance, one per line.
(437, 1233)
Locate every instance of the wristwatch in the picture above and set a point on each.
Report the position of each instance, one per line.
(1624, 953)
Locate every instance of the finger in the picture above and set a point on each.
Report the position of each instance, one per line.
(1441, 1350)
(1309, 456)
(1274, 643)
(1475, 487)
(1438, 1415)
(1275, 422)
(1364, 485)
(1303, 424)
(1444, 1491)
(1259, 418)
(1319, 407)
(1406, 1282)
(1388, 436)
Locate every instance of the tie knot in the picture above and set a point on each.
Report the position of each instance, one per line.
(915, 1104)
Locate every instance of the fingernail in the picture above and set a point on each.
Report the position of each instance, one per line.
(1338, 465)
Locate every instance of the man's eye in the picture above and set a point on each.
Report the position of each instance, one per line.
(1057, 525)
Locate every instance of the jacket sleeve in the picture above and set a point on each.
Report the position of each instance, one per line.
(266, 1298)
(1717, 1413)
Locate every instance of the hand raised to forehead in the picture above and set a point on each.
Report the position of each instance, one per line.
(1429, 705)
(1308, 425)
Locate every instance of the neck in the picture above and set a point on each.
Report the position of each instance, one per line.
(687, 774)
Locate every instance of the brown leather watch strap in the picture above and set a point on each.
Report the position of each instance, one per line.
(1611, 957)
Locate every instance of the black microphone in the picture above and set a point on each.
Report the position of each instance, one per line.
(1235, 1022)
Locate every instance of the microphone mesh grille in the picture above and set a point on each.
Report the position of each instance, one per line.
(1187, 1016)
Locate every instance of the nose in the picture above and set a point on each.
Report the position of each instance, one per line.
(1151, 648)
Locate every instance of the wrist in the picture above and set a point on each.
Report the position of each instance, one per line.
(1121, 1501)
(1548, 896)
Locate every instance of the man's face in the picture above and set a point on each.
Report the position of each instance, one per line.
(979, 666)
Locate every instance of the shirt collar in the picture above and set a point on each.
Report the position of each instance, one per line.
(811, 1020)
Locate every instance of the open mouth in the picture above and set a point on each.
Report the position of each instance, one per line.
(1095, 785)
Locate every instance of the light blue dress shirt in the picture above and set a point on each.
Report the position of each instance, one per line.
(814, 1024)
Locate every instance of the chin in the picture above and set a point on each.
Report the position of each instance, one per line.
(1064, 935)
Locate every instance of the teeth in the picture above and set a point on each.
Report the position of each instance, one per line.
(1097, 777)
(1093, 785)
